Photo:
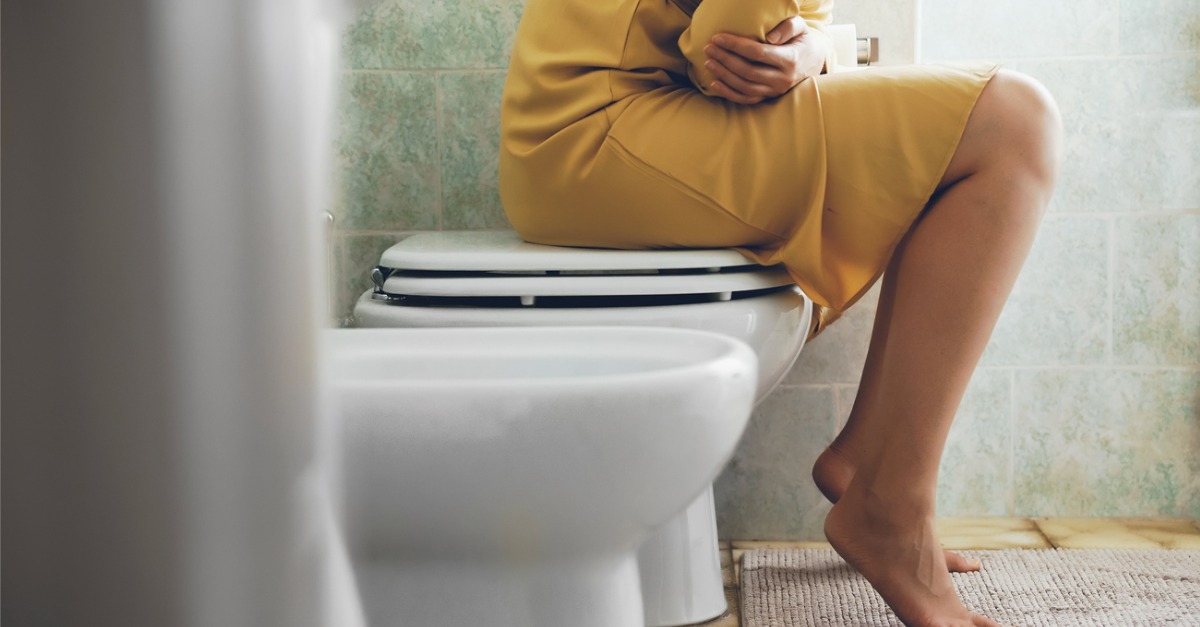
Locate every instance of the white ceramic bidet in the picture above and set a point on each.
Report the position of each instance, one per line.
(506, 476)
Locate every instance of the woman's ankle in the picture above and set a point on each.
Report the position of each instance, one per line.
(832, 473)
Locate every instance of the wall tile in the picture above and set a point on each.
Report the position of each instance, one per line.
(1157, 290)
(837, 355)
(766, 492)
(1161, 26)
(1024, 28)
(1118, 87)
(409, 34)
(1105, 442)
(1129, 127)
(356, 254)
(470, 131)
(1140, 163)
(1175, 139)
(1058, 310)
(974, 476)
(387, 152)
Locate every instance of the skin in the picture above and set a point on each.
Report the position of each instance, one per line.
(942, 293)
(749, 71)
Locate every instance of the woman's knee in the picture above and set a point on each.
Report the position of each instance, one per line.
(1035, 123)
(1015, 125)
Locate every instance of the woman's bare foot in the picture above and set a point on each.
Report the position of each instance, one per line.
(900, 556)
(832, 473)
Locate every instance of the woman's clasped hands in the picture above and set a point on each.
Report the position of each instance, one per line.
(748, 71)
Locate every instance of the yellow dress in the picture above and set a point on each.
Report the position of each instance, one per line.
(607, 141)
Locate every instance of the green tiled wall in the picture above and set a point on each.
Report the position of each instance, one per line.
(419, 128)
(1085, 402)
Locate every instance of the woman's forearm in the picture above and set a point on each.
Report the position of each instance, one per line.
(749, 18)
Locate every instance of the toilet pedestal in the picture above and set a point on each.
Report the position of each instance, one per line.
(598, 592)
(507, 476)
(680, 568)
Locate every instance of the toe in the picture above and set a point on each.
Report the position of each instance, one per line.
(980, 621)
(956, 563)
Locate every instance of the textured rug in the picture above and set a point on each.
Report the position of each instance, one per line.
(1043, 587)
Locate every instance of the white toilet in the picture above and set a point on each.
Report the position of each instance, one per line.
(493, 279)
(506, 477)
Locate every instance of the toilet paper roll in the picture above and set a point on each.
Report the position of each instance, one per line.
(845, 43)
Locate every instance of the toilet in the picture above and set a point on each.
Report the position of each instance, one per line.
(494, 279)
(506, 476)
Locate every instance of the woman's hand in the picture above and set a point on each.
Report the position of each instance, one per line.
(749, 72)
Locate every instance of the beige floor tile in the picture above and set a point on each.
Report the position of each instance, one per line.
(737, 566)
(1196, 524)
(990, 533)
(1108, 533)
(731, 617)
(1170, 533)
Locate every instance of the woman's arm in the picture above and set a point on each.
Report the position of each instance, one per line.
(753, 20)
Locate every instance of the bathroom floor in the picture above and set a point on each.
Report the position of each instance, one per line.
(1000, 533)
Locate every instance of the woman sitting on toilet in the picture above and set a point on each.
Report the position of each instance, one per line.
(681, 123)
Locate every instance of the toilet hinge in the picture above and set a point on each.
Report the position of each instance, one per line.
(379, 274)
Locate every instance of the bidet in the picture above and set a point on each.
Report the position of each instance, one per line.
(506, 476)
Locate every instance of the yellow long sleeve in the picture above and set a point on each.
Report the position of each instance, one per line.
(748, 18)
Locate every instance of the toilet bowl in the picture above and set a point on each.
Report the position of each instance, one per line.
(493, 279)
(506, 477)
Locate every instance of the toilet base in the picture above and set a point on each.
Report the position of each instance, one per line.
(586, 592)
(680, 568)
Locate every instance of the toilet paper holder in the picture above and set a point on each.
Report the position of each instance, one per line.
(848, 45)
(868, 50)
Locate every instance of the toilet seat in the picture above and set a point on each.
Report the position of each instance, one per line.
(439, 267)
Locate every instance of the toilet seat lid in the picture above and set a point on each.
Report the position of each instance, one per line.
(500, 251)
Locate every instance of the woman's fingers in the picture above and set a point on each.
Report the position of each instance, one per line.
(752, 72)
(751, 50)
(731, 79)
(731, 94)
(749, 72)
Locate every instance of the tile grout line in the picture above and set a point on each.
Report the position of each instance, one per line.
(426, 70)
(1012, 443)
(837, 410)
(1143, 56)
(363, 232)
(1038, 527)
(837, 406)
(1117, 31)
(1086, 367)
(333, 266)
(437, 134)
(1123, 214)
(1112, 246)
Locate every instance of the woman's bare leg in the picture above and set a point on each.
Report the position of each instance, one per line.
(836, 465)
(943, 292)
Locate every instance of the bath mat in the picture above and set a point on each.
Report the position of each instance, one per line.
(1040, 587)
